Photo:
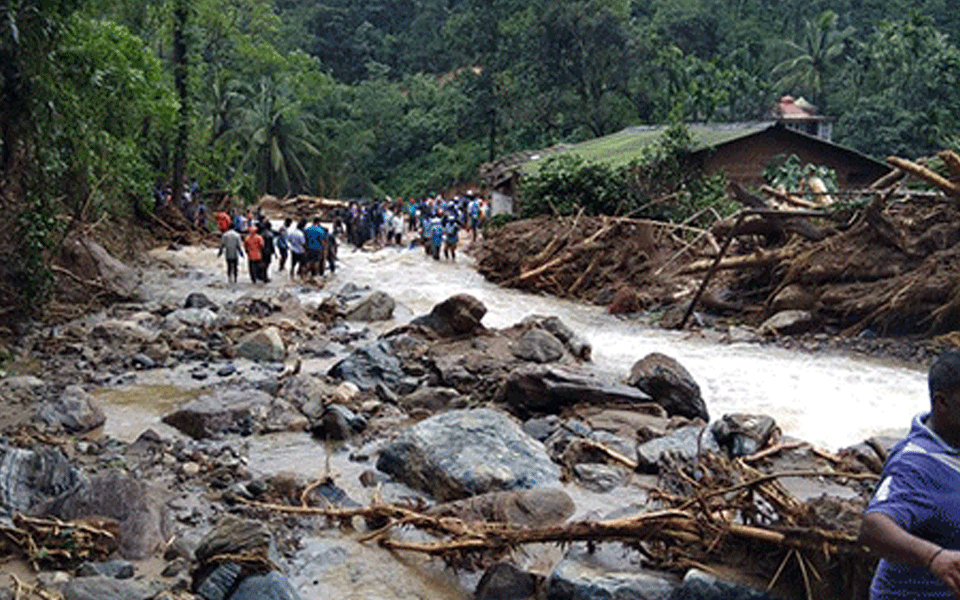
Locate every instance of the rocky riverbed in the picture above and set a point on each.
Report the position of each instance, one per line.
(172, 424)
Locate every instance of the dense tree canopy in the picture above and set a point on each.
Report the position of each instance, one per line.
(373, 97)
(102, 102)
(394, 96)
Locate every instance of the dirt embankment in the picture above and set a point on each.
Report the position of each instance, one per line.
(888, 265)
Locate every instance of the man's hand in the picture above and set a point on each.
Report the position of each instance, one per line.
(946, 566)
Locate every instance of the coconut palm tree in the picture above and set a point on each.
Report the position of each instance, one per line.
(276, 133)
(812, 59)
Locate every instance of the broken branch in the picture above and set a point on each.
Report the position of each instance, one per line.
(947, 186)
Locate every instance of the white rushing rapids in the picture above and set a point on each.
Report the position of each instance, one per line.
(828, 399)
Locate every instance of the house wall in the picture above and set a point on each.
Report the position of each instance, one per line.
(744, 160)
(500, 204)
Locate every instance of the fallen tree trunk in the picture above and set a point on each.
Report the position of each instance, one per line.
(890, 179)
(800, 226)
(760, 258)
(788, 198)
(947, 186)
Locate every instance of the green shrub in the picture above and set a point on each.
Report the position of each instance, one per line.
(789, 173)
(660, 184)
(566, 183)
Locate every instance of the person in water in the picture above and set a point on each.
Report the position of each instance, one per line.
(232, 245)
(913, 520)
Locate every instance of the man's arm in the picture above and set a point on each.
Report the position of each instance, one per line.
(895, 544)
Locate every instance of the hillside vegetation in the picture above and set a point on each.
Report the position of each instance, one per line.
(102, 102)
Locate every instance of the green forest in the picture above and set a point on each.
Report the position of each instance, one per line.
(102, 101)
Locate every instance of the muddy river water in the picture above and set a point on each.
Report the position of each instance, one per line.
(831, 400)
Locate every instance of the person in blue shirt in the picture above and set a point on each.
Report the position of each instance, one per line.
(425, 233)
(474, 212)
(315, 242)
(436, 236)
(451, 237)
(239, 223)
(913, 519)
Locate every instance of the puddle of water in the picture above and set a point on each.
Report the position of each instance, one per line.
(130, 410)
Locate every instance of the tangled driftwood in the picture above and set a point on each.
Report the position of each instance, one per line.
(885, 258)
(51, 542)
(703, 513)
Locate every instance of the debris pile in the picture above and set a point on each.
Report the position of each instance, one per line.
(50, 542)
(884, 259)
(301, 207)
(713, 512)
(589, 258)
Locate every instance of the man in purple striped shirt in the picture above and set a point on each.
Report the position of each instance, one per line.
(913, 520)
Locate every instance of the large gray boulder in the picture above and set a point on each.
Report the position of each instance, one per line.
(455, 316)
(467, 452)
(371, 365)
(376, 306)
(602, 575)
(789, 322)
(138, 508)
(75, 411)
(31, 478)
(201, 318)
(532, 389)
(670, 385)
(539, 346)
(235, 411)
(685, 443)
(264, 345)
(89, 261)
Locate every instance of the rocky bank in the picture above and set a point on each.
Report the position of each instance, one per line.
(443, 416)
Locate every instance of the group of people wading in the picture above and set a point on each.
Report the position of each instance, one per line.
(312, 248)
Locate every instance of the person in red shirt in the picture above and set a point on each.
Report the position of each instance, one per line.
(254, 245)
(223, 221)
